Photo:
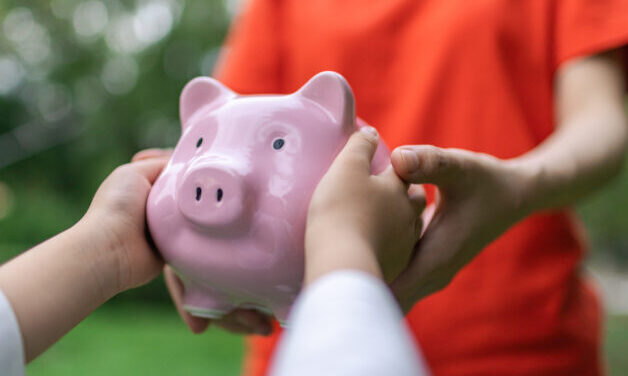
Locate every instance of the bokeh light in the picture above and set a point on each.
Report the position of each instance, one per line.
(119, 74)
(90, 19)
(121, 35)
(53, 102)
(18, 25)
(152, 22)
(11, 74)
(31, 40)
(63, 9)
(132, 32)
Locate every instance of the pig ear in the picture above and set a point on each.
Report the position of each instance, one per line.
(200, 92)
(332, 92)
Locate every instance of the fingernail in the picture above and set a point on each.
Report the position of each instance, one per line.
(369, 130)
(410, 158)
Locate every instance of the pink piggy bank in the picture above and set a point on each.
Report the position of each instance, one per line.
(228, 212)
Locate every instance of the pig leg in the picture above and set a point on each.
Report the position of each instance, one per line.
(202, 301)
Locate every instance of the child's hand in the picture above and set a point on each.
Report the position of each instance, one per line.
(116, 218)
(71, 274)
(361, 221)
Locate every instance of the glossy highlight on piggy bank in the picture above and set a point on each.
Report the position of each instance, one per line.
(228, 212)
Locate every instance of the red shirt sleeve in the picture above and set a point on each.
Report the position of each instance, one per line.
(588, 27)
(250, 61)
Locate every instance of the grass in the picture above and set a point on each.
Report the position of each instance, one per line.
(133, 339)
(139, 340)
(616, 345)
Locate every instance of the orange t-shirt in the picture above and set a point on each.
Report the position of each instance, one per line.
(476, 75)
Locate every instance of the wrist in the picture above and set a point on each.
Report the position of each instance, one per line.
(333, 253)
(99, 255)
(533, 184)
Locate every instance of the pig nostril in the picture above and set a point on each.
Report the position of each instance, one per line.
(219, 194)
(199, 192)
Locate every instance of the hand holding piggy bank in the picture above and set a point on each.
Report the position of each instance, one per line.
(228, 212)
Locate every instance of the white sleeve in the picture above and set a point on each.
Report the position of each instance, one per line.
(347, 323)
(11, 350)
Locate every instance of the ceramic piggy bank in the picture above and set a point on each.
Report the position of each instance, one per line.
(228, 212)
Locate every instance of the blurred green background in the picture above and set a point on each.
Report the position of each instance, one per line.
(86, 84)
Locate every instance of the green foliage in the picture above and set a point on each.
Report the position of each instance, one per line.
(605, 215)
(615, 345)
(83, 86)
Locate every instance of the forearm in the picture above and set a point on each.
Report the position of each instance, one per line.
(55, 285)
(334, 253)
(588, 148)
(576, 159)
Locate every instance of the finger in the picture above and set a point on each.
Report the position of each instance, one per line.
(431, 267)
(359, 150)
(151, 153)
(421, 164)
(428, 214)
(246, 321)
(150, 168)
(416, 194)
(390, 177)
(175, 288)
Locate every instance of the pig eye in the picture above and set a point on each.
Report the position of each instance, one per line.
(199, 142)
(278, 143)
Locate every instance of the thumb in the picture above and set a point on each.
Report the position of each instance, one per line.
(426, 164)
(359, 150)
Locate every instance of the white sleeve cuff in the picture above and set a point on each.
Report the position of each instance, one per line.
(347, 323)
(11, 349)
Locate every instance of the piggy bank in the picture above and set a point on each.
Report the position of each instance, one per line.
(228, 212)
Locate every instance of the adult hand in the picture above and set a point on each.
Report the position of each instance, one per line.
(478, 198)
(244, 321)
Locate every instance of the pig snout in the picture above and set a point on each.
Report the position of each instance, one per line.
(211, 195)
